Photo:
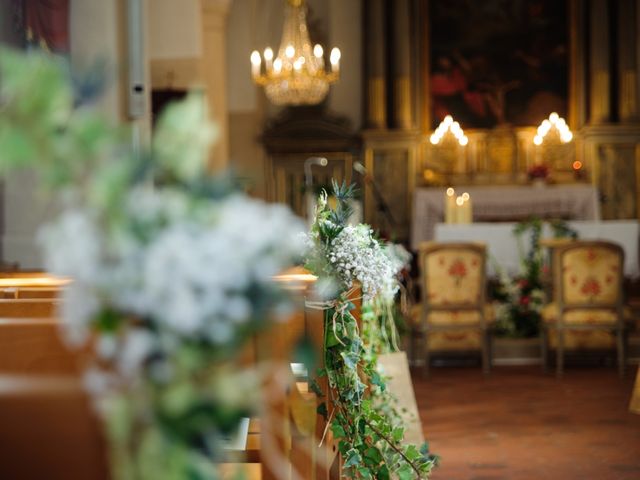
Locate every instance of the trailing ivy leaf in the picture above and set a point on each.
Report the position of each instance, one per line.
(398, 435)
(405, 472)
(373, 456)
(338, 431)
(315, 388)
(322, 410)
(383, 473)
(352, 458)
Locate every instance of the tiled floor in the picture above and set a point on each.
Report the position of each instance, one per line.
(519, 424)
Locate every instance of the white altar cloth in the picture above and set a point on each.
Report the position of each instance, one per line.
(505, 203)
(503, 247)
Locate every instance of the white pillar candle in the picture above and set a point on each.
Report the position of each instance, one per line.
(468, 212)
(449, 205)
(459, 212)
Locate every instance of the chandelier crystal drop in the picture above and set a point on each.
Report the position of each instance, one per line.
(297, 74)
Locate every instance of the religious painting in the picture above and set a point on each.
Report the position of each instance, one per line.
(498, 62)
(41, 24)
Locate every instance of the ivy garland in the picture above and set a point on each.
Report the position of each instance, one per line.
(369, 432)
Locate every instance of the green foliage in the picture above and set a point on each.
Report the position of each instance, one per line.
(522, 297)
(369, 431)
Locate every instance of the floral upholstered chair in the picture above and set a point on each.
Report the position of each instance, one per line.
(453, 316)
(588, 311)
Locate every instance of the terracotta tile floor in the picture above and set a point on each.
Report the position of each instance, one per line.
(519, 424)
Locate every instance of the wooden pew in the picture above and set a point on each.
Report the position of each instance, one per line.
(48, 430)
(34, 346)
(28, 308)
(31, 293)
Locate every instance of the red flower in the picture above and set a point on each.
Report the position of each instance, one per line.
(458, 270)
(591, 287)
(538, 171)
(524, 301)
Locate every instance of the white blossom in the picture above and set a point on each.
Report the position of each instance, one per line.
(357, 256)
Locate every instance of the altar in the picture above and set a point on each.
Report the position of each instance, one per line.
(502, 245)
(505, 204)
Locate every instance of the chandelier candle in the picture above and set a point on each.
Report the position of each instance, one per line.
(297, 75)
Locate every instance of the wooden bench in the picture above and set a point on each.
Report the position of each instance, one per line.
(48, 430)
(28, 308)
(34, 346)
(30, 293)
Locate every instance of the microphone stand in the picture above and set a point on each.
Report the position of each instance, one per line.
(381, 204)
(310, 200)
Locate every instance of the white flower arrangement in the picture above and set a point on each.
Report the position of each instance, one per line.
(171, 268)
(357, 256)
(191, 277)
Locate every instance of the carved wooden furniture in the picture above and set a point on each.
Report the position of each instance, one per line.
(300, 133)
(454, 315)
(588, 311)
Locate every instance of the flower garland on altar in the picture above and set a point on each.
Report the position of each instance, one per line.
(168, 283)
(352, 265)
(522, 297)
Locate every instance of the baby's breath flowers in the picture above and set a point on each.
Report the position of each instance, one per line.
(357, 256)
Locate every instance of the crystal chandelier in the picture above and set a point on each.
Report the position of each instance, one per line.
(297, 76)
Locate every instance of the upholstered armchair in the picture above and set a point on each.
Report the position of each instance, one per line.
(453, 316)
(588, 311)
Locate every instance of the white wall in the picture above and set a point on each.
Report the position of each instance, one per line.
(175, 29)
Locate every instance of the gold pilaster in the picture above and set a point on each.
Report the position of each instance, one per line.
(628, 61)
(375, 47)
(600, 92)
(402, 103)
(376, 103)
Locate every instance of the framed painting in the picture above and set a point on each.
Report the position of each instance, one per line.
(497, 62)
(42, 24)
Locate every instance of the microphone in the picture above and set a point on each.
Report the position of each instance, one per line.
(358, 167)
(308, 175)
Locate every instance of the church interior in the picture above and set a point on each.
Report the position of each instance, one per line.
(320, 239)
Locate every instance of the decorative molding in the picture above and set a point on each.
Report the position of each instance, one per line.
(176, 73)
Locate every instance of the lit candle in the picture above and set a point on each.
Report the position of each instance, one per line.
(277, 66)
(268, 58)
(289, 51)
(449, 205)
(318, 52)
(255, 64)
(459, 212)
(468, 209)
(334, 58)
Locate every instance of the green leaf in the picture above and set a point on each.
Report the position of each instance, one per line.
(352, 458)
(315, 388)
(405, 472)
(322, 410)
(337, 430)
